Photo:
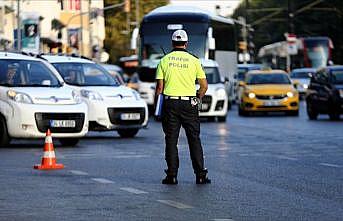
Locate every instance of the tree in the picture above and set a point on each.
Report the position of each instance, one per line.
(118, 32)
(325, 18)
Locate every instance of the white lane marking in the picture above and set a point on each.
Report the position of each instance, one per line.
(222, 219)
(102, 180)
(286, 158)
(330, 165)
(78, 172)
(175, 204)
(133, 190)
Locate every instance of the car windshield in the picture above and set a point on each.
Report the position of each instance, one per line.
(26, 73)
(276, 78)
(85, 74)
(301, 74)
(241, 73)
(212, 75)
(337, 77)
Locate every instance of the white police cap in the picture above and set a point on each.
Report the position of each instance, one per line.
(180, 35)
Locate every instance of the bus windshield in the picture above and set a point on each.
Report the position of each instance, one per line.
(153, 44)
(317, 51)
(276, 78)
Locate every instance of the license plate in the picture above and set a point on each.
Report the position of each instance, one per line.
(130, 116)
(271, 103)
(62, 123)
(204, 106)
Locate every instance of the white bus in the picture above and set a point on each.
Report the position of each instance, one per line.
(210, 37)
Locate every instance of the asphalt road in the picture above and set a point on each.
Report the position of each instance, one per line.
(262, 168)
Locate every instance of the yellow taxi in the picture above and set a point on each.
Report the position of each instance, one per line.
(268, 91)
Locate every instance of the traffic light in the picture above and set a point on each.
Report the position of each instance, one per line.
(127, 6)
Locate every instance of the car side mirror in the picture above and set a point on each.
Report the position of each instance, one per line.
(226, 80)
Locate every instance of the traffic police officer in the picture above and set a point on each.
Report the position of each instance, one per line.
(176, 76)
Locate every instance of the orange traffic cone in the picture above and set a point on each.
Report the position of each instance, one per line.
(48, 159)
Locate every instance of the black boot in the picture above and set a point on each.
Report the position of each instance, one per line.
(201, 178)
(170, 179)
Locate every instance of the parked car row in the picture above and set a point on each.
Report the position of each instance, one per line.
(68, 95)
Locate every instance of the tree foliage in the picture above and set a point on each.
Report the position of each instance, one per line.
(118, 33)
(323, 19)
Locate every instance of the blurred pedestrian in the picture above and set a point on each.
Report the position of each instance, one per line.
(176, 76)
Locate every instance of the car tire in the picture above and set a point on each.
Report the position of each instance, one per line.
(311, 113)
(334, 115)
(293, 113)
(69, 141)
(242, 112)
(222, 119)
(127, 133)
(4, 137)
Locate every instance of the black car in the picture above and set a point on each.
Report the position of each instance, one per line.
(325, 93)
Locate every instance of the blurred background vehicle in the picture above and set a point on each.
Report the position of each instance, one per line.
(111, 106)
(130, 76)
(115, 71)
(268, 91)
(215, 102)
(301, 79)
(325, 93)
(310, 52)
(34, 98)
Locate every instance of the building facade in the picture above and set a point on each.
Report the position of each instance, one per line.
(63, 26)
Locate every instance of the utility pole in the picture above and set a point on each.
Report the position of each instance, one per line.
(81, 31)
(137, 13)
(90, 28)
(18, 26)
(290, 17)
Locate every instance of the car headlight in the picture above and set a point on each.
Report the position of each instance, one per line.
(305, 86)
(221, 93)
(77, 97)
(91, 95)
(290, 94)
(341, 93)
(136, 95)
(19, 97)
(251, 95)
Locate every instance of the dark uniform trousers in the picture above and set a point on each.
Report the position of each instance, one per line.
(177, 113)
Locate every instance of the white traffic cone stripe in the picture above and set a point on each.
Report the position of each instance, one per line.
(49, 154)
(48, 139)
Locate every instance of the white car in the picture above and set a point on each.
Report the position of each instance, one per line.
(111, 106)
(301, 78)
(33, 98)
(215, 102)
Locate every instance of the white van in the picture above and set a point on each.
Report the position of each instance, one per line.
(34, 98)
(111, 106)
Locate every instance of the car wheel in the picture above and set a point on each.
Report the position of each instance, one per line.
(293, 113)
(242, 112)
(4, 137)
(311, 113)
(127, 133)
(334, 115)
(69, 141)
(221, 119)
